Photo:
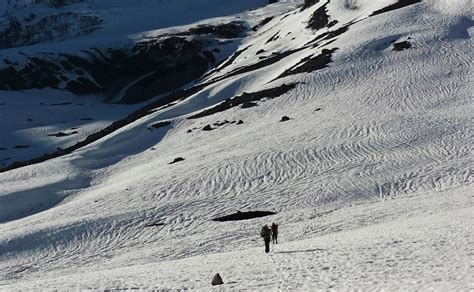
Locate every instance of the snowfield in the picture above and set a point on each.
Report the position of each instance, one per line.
(371, 176)
(393, 247)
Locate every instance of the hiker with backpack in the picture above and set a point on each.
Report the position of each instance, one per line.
(275, 233)
(265, 233)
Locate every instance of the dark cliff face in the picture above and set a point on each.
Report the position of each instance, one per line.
(127, 75)
(52, 28)
(161, 66)
(120, 72)
(59, 3)
(44, 21)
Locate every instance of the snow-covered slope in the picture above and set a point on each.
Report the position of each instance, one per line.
(371, 175)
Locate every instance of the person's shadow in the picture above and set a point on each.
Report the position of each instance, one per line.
(302, 250)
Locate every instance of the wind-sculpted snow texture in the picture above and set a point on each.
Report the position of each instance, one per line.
(370, 179)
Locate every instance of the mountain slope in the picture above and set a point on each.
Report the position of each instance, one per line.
(377, 145)
(112, 64)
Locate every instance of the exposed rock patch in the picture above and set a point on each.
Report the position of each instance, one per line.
(62, 134)
(207, 128)
(245, 98)
(225, 63)
(155, 224)
(273, 38)
(320, 18)
(161, 124)
(244, 216)
(227, 31)
(249, 104)
(400, 46)
(398, 5)
(261, 64)
(308, 3)
(330, 35)
(133, 75)
(217, 124)
(51, 28)
(82, 86)
(262, 23)
(176, 160)
(310, 64)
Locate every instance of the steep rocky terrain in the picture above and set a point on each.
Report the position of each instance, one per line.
(121, 58)
(130, 72)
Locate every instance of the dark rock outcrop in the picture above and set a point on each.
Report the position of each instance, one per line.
(225, 63)
(397, 5)
(262, 23)
(155, 224)
(161, 124)
(320, 18)
(308, 3)
(62, 134)
(244, 216)
(400, 46)
(227, 31)
(330, 35)
(311, 64)
(249, 104)
(261, 64)
(273, 38)
(177, 159)
(122, 74)
(150, 68)
(245, 98)
(51, 28)
(207, 128)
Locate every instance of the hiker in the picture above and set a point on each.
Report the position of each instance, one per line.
(275, 233)
(266, 233)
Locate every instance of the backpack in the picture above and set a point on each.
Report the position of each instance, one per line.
(275, 228)
(265, 233)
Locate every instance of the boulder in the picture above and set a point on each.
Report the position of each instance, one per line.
(217, 280)
(207, 128)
